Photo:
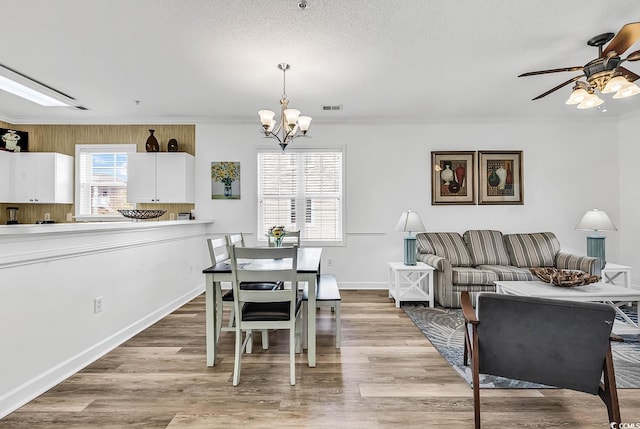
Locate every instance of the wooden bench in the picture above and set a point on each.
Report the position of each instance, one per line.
(327, 295)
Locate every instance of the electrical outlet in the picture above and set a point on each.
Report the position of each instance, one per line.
(329, 262)
(97, 305)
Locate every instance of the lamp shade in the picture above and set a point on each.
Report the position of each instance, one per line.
(596, 220)
(409, 221)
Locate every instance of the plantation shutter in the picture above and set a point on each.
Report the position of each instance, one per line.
(302, 190)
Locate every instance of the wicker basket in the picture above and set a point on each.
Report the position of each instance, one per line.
(564, 278)
(142, 214)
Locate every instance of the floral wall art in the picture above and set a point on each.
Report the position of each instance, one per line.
(225, 180)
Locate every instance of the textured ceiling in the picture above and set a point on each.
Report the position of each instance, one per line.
(215, 60)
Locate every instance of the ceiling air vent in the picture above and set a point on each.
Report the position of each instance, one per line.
(327, 108)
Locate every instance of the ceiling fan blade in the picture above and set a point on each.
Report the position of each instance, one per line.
(628, 74)
(565, 69)
(627, 36)
(558, 87)
(633, 56)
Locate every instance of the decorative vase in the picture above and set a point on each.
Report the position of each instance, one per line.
(447, 174)
(227, 190)
(502, 176)
(493, 179)
(460, 173)
(152, 143)
(172, 146)
(509, 179)
(278, 241)
(454, 187)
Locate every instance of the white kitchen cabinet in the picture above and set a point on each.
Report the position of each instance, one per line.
(41, 177)
(5, 177)
(160, 177)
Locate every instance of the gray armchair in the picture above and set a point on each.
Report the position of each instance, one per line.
(554, 342)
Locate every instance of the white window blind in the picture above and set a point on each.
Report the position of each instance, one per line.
(302, 190)
(101, 180)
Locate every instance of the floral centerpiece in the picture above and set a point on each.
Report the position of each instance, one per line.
(278, 233)
(225, 172)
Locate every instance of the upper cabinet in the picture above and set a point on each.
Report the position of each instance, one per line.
(41, 177)
(160, 177)
(5, 176)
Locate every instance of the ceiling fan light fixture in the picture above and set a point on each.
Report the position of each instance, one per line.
(590, 102)
(615, 84)
(628, 91)
(577, 96)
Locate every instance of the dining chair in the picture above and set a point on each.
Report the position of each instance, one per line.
(565, 344)
(266, 308)
(235, 239)
(219, 252)
(292, 238)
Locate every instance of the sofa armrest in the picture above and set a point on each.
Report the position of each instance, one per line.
(437, 262)
(566, 261)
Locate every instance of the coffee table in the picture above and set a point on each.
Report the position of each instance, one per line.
(595, 292)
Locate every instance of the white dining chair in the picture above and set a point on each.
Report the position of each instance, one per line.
(265, 309)
(219, 252)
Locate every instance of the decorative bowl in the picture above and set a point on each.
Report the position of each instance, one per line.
(564, 278)
(142, 214)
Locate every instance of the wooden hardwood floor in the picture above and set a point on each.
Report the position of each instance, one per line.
(387, 375)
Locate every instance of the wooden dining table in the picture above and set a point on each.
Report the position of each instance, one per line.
(308, 271)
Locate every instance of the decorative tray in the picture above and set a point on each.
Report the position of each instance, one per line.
(142, 214)
(564, 278)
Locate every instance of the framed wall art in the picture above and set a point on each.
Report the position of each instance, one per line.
(14, 141)
(453, 178)
(225, 180)
(500, 178)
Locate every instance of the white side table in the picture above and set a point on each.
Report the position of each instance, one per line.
(411, 282)
(611, 272)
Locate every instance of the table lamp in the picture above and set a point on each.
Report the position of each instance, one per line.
(409, 221)
(596, 220)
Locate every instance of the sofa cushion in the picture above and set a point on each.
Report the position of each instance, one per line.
(532, 250)
(472, 276)
(448, 245)
(509, 273)
(487, 247)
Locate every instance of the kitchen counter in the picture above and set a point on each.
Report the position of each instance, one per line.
(82, 227)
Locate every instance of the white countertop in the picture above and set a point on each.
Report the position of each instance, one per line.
(79, 227)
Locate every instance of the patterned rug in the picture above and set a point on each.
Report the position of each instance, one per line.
(444, 328)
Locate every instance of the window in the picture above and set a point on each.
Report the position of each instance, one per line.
(101, 180)
(302, 190)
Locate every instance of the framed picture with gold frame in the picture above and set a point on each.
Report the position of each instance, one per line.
(453, 178)
(500, 177)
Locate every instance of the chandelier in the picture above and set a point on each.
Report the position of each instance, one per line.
(291, 124)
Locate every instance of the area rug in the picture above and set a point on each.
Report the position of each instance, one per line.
(444, 328)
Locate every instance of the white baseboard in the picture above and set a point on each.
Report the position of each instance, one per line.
(19, 396)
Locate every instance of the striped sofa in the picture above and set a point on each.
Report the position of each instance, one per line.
(474, 260)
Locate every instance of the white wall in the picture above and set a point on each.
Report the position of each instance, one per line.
(568, 169)
(629, 174)
(50, 276)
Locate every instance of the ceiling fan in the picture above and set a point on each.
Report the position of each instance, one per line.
(603, 74)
